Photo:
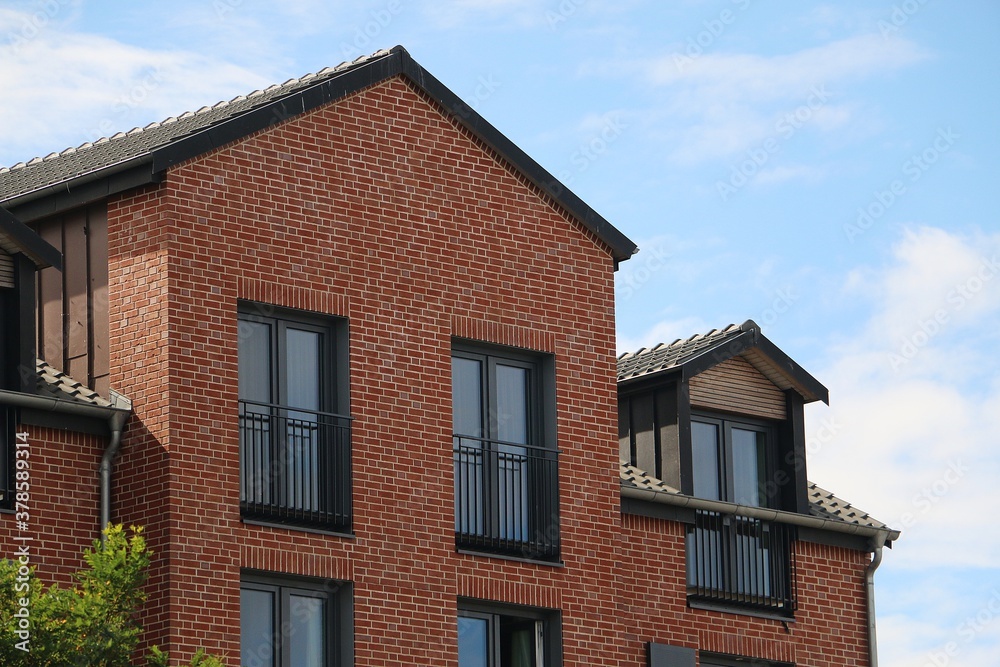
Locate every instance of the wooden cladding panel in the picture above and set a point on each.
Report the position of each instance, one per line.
(647, 432)
(736, 386)
(6, 270)
(73, 326)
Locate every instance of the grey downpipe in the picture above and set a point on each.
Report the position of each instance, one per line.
(117, 425)
(870, 586)
(114, 415)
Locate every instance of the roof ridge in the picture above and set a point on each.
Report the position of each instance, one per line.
(289, 84)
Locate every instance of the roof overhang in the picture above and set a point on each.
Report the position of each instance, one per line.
(16, 237)
(149, 167)
(756, 349)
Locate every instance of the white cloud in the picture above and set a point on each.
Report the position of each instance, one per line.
(103, 86)
(717, 105)
(754, 77)
(915, 397)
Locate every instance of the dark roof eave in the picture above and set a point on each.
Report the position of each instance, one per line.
(28, 242)
(395, 62)
(750, 338)
(621, 246)
(781, 516)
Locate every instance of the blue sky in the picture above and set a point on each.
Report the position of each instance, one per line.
(826, 169)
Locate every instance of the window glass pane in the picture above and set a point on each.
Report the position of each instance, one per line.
(512, 461)
(512, 404)
(473, 642)
(302, 442)
(748, 466)
(302, 368)
(467, 396)
(705, 460)
(256, 628)
(518, 644)
(307, 644)
(255, 361)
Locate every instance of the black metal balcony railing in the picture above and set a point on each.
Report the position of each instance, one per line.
(295, 466)
(506, 498)
(739, 561)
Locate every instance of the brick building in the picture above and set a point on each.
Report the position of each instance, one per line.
(347, 354)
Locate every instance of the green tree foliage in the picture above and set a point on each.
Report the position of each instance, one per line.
(92, 624)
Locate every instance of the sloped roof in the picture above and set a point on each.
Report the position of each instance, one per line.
(16, 237)
(141, 155)
(108, 152)
(53, 383)
(691, 356)
(825, 505)
(822, 503)
(664, 357)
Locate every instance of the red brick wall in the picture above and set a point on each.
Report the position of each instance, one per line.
(63, 502)
(378, 209)
(830, 627)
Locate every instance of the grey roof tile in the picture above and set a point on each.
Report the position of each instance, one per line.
(825, 505)
(822, 503)
(663, 357)
(53, 383)
(40, 172)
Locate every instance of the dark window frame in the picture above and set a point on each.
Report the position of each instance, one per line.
(737, 563)
(339, 623)
(8, 419)
(493, 612)
(542, 532)
(317, 495)
(725, 424)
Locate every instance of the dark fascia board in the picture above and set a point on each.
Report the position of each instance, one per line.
(67, 196)
(370, 72)
(751, 338)
(622, 247)
(31, 244)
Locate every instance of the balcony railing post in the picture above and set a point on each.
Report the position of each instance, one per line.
(506, 497)
(295, 466)
(741, 561)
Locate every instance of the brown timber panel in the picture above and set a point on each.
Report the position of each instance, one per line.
(736, 386)
(50, 294)
(6, 270)
(73, 325)
(97, 253)
(76, 284)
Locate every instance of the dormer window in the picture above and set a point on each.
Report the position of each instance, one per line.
(719, 418)
(730, 460)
